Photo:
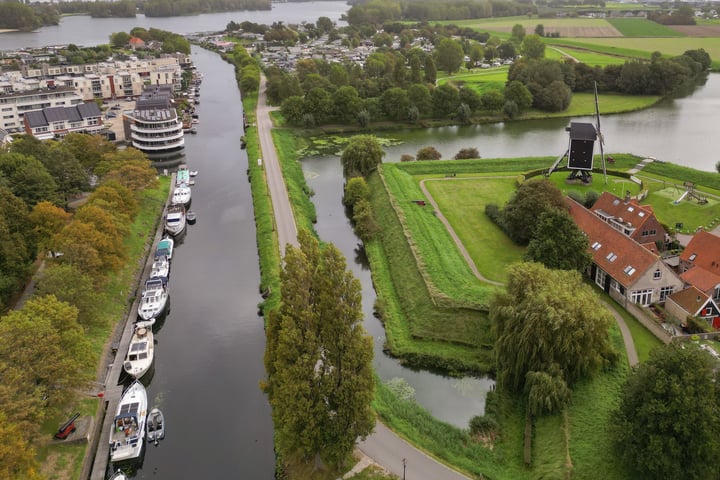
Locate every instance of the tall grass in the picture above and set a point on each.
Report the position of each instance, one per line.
(297, 187)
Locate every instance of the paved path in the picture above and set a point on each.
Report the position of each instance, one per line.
(383, 446)
(284, 218)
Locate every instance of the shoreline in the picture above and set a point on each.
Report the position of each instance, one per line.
(8, 30)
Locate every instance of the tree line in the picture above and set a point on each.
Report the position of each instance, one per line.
(171, 42)
(18, 16)
(158, 8)
(80, 252)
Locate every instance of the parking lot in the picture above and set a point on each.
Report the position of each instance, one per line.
(112, 116)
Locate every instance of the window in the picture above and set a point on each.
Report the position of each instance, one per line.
(611, 256)
(657, 275)
(707, 312)
(641, 214)
(666, 292)
(596, 246)
(642, 297)
(600, 277)
(631, 209)
(629, 270)
(692, 257)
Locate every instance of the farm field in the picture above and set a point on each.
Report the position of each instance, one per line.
(567, 27)
(583, 55)
(641, 27)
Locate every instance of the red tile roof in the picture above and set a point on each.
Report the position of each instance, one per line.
(630, 211)
(706, 250)
(700, 278)
(621, 257)
(691, 299)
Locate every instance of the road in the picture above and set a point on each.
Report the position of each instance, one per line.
(383, 446)
(284, 218)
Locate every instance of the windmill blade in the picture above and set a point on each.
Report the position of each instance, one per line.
(599, 133)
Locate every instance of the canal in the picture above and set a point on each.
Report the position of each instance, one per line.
(209, 352)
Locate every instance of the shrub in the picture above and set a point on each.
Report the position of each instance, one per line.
(428, 153)
(467, 153)
(406, 158)
(483, 425)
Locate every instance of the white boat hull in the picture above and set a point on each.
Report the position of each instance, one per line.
(154, 299)
(127, 434)
(141, 351)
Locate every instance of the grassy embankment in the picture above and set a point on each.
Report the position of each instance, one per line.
(65, 461)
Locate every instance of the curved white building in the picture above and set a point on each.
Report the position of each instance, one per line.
(154, 126)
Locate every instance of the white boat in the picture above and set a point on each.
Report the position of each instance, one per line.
(154, 299)
(140, 354)
(160, 268)
(128, 432)
(165, 248)
(191, 217)
(182, 195)
(155, 426)
(193, 173)
(175, 221)
(119, 475)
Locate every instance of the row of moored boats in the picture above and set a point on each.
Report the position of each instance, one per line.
(133, 424)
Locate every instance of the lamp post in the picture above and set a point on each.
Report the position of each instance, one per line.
(404, 465)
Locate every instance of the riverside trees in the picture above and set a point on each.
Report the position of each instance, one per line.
(318, 357)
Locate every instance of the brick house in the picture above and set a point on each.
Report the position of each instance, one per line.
(691, 302)
(632, 219)
(628, 271)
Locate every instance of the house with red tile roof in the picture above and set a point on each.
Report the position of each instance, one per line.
(627, 271)
(691, 302)
(700, 264)
(629, 217)
(136, 42)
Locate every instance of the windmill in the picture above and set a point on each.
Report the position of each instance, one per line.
(580, 148)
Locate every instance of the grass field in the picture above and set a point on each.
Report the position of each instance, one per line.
(642, 27)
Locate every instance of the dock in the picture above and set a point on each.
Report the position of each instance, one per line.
(97, 455)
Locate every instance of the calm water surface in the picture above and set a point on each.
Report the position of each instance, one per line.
(209, 352)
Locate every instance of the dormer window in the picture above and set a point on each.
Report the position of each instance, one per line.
(631, 209)
(596, 246)
(629, 270)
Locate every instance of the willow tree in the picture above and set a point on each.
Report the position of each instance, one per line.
(548, 321)
(318, 357)
(362, 155)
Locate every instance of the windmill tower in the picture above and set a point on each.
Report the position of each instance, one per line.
(581, 147)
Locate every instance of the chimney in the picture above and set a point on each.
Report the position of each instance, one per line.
(627, 196)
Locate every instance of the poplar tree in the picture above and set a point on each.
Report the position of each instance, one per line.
(318, 357)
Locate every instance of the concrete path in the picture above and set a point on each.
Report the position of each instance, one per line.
(627, 336)
(383, 446)
(284, 218)
(640, 165)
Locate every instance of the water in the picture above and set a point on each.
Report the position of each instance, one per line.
(209, 352)
(85, 31)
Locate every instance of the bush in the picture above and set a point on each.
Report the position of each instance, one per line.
(493, 212)
(590, 198)
(483, 425)
(428, 153)
(467, 153)
(356, 189)
(406, 158)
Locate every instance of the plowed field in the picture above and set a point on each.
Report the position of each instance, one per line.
(698, 30)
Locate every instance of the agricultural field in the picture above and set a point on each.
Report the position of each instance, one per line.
(567, 27)
(641, 27)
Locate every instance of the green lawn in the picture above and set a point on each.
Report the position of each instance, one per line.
(583, 55)
(506, 23)
(642, 27)
(463, 202)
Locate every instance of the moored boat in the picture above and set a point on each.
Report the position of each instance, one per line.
(155, 426)
(175, 219)
(119, 475)
(191, 217)
(160, 268)
(128, 432)
(165, 248)
(154, 299)
(182, 195)
(141, 351)
(182, 176)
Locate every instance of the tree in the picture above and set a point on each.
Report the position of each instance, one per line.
(467, 153)
(419, 96)
(119, 39)
(548, 321)
(540, 30)
(17, 456)
(55, 366)
(428, 153)
(366, 227)
(27, 178)
(319, 103)
(471, 98)
(521, 214)
(518, 32)
(558, 243)
(492, 100)
(362, 155)
(449, 55)
(445, 100)
(346, 103)
(71, 286)
(292, 109)
(47, 220)
(430, 70)
(555, 97)
(667, 422)
(88, 149)
(17, 248)
(318, 357)
(89, 250)
(506, 50)
(516, 92)
(395, 103)
(533, 47)
(69, 175)
(119, 197)
(356, 189)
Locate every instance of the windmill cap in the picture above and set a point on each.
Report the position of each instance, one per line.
(582, 131)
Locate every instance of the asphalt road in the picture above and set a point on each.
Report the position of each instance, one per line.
(284, 218)
(383, 446)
